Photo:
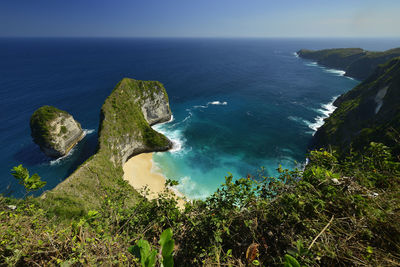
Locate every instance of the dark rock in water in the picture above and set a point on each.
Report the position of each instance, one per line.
(55, 131)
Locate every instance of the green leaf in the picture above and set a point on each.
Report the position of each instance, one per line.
(168, 261)
(167, 247)
(151, 259)
(290, 261)
(165, 236)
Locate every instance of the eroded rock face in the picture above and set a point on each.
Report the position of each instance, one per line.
(55, 131)
(127, 115)
(155, 108)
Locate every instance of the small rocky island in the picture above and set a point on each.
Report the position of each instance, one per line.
(55, 131)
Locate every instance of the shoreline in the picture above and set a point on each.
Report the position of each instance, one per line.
(139, 172)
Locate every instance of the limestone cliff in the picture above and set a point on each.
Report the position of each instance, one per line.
(124, 131)
(55, 131)
(370, 112)
(356, 62)
(126, 117)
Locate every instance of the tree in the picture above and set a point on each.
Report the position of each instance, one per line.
(31, 183)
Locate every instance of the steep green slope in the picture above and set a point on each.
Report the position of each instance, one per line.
(369, 112)
(124, 131)
(357, 63)
(338, 211)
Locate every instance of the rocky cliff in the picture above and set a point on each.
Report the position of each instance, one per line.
(370, 112)
(356, 62)
(127, 115)
(124, 131)
(55, 131)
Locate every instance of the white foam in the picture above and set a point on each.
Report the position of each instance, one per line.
(89, 131)
(335, 72)
(326, 110)
(191, 189)
(176, 136)
(296, 55)
(165, 122)
(327, 70)
(224, 103)
(312, 64)
(296, 119)
(59, 160)
(319, 121)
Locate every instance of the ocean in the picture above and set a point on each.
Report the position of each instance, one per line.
(238, 105)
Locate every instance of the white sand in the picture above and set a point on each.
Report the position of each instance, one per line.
(138, 171)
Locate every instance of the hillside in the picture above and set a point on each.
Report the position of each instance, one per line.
(338, 211)
(370, 112)
(356, 62)
(124, 131)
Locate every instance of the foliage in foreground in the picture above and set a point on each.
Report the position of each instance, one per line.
(334, 212)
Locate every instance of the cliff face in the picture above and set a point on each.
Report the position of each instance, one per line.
(126, 118)
(124, 131)
(55, 131)
(370, 112)
(356, 62)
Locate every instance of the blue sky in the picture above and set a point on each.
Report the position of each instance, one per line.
(200, 18)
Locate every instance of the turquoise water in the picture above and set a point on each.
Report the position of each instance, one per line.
(263, 123)
(238, 104)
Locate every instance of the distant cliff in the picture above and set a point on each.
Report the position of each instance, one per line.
(55, 131)
(356, 62)
(124, 131)
(369, 112)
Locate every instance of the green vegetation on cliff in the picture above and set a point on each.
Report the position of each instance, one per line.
(370, 112)
(357, 63)
(342, 209)
(123, 132)
(40, 123)
(335, 212)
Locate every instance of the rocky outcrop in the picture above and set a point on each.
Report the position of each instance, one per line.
(55, 131)
(370, 112)
(356, 62)
(125, 130)
(127, 115)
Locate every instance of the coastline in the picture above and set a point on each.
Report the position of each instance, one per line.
(138, 171)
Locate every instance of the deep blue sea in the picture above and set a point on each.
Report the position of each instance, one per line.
(238, 104)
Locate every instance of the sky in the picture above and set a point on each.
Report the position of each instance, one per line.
(199, 18)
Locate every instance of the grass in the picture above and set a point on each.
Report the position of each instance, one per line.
(123, 132)
(338, 211)
(341, 210)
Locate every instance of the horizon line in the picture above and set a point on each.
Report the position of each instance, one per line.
(208, 37)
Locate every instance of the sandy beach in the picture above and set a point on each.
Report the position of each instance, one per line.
(138, 171)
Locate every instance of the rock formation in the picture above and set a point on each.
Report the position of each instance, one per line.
(55, 131)
(124, 131)
(370, 112)
(356, 62)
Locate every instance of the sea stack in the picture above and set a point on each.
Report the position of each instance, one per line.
(55, 131)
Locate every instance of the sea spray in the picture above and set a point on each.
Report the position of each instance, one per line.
(71, 152)
(326, 110)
